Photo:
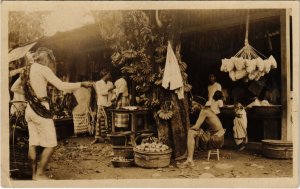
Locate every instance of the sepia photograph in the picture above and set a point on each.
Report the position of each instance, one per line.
(149, 94)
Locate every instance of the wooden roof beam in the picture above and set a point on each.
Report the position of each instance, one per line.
(230, 22)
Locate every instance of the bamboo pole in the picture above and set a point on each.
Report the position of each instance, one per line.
(286, 125)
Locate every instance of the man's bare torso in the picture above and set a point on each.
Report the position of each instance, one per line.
(212, 120)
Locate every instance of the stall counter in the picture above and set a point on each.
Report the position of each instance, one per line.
(264, 122)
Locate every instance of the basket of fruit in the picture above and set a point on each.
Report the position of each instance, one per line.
(152, 154)
(122, 162)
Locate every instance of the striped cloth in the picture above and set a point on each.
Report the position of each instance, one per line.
(81, 112)
(109, 120)
(121, 120)
(81, 123)
(101, 124)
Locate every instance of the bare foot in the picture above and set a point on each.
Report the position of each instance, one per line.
(187, 163)
(98, 140)
(33, 176)
(242, 148)
(94, 141)
(184, 156)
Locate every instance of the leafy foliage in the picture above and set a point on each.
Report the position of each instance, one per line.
(24, 27)
(140, 54)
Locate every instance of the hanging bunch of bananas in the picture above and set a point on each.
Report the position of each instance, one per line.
(166, 112)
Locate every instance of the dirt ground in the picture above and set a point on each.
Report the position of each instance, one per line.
(75, 158)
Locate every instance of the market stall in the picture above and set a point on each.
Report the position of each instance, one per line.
(204, 46)
(246, 71)
(264, 122)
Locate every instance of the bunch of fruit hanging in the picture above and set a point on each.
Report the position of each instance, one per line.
(247, 64)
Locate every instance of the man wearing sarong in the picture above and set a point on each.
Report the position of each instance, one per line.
(110, 97)
(39, 113)
(103, 88)
(240, 127)
(212, 138)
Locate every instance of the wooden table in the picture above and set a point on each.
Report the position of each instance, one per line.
(133, 114)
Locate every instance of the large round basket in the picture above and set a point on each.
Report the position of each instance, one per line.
(277, 149)
(127, 163)
(152, 159)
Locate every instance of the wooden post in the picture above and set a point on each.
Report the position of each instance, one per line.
(286, 125)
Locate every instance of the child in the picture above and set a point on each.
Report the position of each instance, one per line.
(240, 127)
(217, 102)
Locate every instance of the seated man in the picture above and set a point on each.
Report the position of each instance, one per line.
(212, 138)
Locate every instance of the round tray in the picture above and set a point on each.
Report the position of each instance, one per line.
(117, 163)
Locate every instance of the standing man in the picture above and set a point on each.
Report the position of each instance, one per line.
(38, 114)
(212, 138)
(212, 87)
(103, 89)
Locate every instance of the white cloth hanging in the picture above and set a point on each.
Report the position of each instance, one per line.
(172, 78)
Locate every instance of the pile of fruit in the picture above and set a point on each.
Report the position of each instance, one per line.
(152, 144)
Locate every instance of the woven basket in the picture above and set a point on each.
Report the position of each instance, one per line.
(81, 123)
(123, 151)
(152, 159)
(128, 163)
(277, 149)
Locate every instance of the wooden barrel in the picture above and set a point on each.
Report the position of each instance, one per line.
(278, 149)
